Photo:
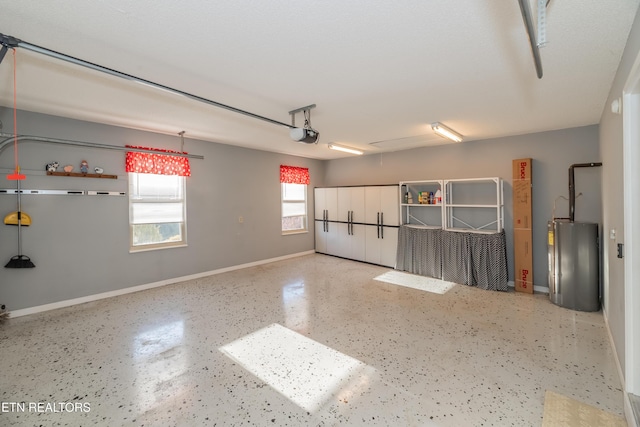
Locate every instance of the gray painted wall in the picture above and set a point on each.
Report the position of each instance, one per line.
(552, 154)
(611, 143)
(80, 243)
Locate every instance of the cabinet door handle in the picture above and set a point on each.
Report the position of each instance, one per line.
(378, 225)
(381, 225)
(351, 222)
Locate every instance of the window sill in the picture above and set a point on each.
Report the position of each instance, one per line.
(156, 248)
(289, 233)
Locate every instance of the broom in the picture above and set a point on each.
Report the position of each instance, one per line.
(20, 260)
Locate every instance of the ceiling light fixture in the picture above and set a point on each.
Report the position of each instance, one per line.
(345, 149)
(446, 132)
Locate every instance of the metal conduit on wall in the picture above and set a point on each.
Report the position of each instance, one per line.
(11, 139)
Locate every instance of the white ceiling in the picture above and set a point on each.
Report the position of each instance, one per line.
(379, 71)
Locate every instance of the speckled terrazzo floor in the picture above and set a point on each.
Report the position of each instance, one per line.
(190, 354)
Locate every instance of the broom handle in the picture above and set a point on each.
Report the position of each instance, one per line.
(19, 221)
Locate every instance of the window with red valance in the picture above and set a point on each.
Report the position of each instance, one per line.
(294, 175)
(158, 164)
(293, 182)
(157, 199)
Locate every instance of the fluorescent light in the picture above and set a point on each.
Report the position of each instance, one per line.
(446, 132)
(345, 149)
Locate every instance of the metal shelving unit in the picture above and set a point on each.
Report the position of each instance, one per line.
(421, 215)
(475, 204)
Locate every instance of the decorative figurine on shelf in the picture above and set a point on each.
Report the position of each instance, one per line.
(98, 170)
(68, 168)
(84, 166)
(52, 167)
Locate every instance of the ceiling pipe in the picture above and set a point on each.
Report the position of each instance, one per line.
(11, 139)
(12, 42)
(528, 23)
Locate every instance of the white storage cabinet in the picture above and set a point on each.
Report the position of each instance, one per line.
(381, 210)
(359, 223)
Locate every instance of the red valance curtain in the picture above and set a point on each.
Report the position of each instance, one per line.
(158, 164)
(294, 175)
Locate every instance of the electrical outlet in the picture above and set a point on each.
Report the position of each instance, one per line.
(620, 250)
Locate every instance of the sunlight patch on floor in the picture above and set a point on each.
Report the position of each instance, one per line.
(563, 411)
(422, 283)
(306, 372)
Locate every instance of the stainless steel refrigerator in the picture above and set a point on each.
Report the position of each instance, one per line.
(574, 274)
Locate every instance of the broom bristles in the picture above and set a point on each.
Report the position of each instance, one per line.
(20, 261)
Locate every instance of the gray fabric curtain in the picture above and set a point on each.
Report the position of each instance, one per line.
(468, 258)
(420, 252)
(489, 261)
(456, 257)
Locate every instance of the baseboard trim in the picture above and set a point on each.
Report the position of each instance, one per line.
(628, 410)
(613, 348)
(537, 289)
(132, 289)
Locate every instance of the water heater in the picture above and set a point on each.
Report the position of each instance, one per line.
(574, 260)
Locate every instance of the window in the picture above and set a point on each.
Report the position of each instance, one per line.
(156, 211)
(293, 183)
(157, 206)
(294, 208)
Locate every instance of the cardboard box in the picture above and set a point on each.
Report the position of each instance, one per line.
(522, 223)
(522, 247)
(521, 169)
(522, 203)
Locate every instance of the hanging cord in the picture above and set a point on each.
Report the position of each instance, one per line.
(307, 119)
(553, 213)
(15, 113)
(16, 175)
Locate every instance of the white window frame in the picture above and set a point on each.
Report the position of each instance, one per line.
(305, 219)
(135, 198)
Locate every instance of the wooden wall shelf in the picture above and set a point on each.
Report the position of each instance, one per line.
(83, 175)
